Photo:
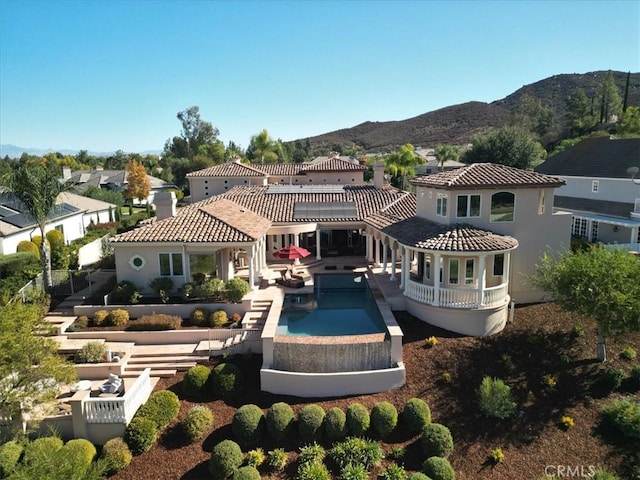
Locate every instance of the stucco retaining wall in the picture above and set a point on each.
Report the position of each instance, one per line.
(180, 309)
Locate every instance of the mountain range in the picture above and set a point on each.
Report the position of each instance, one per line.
(454, 125)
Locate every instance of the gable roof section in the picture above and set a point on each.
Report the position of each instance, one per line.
(85, 203)
(487, 175)
(215, 221)
(332, 164)
(229, 169)
(279, 207)
(601, 157)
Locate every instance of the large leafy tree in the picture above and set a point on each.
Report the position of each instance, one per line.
(262, 148)
(30, 368)
(509, 146)
(37, 187)
(598, 283)
(138, 184)
(533, 116)
(446, 152)
(580, 115)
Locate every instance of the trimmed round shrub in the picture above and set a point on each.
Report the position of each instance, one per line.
(310, 419)
(218, 318)
(140, 435)
(384, 418)
(225, 459)
(81, 450)
(436, 440)
(35, 449)
(335, 424)
(280, 420)
(438, 468)
(418, 476)
(235, 289)
(117, 453)
(358, 419)
(118, 317)
(195, 380)
(91, 352)
(247, 425)
(10, 454)
(161, 408)
(79, 324)
(27, 246)
(197, 421)
(416, 415)
(100, 318)
(246, 473)
(226, 380)
(199, 316)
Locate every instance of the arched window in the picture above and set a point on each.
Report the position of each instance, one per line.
(502, 207)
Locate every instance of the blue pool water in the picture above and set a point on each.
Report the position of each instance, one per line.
(341, 304)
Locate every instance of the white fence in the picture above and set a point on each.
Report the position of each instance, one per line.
(119, 409)
(456, 298)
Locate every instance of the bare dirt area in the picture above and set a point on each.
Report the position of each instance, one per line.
(539, 348)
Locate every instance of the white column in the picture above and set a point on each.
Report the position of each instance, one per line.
(296, 242)
(369, 247)
(393, 264)
(436, 279)
(318, 257)
(507, 266)
(404, 269)
(482, 279)
(634, 235)
(385, 249)
(252, 268)
(377, 244)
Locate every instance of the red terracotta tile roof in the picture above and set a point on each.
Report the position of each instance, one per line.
(332, 165)
(487, 175)
(215, 220)
(229, 169)
(423, 234)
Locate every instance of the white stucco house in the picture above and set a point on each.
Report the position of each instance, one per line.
(72, 215)
(461, 248)
(602, 189)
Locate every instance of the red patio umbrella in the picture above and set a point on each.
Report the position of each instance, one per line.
(291, 252)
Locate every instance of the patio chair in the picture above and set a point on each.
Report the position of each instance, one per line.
(112, 385)
(290, 280)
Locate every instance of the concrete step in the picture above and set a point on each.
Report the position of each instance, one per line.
(135, 360)
(159, 373)
(164, 350)
(203, 347)
(178, 366)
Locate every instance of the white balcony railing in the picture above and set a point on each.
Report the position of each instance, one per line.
(119, 409)
(629, 247)
(466, 298)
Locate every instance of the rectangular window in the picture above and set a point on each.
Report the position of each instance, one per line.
(498, 265)
(170, 264)
(594, 231)
(595, 185)
(468, 206)
(468, 275)
(579, 227)
(441, 206)
(453, 271)
(427, 269)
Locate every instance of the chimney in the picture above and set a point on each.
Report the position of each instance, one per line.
(66, 173)
(235, 159)
(165, 203)
(378, 174)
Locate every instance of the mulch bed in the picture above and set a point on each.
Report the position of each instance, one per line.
(539, 342)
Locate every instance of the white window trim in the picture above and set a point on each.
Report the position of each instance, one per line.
(457, 282)
(132, 262)
(470, 280)
(491, 207)
(441, 201)
(469, 195)
(595, 186)
(171, 272)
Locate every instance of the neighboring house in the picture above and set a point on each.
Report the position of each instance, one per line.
(455, 238)
(602, 190)
(111, 180)
(321, 171)
(72, 215)
(431, 164)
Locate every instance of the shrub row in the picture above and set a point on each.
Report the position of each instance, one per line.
(223, 381)
(151, 418)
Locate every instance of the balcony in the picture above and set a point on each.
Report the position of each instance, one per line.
(462, 298)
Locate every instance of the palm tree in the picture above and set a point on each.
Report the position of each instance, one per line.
(402, 162)
(444, 153)
(37, 188)
(262, 146)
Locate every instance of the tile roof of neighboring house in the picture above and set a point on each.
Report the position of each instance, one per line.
(601, 157)
(229, 169)
(279, 207)
(486, 175)
(235, 169)
(603, 207)
(421, 233)
(215, 220)
(85, 203)
(97, 178)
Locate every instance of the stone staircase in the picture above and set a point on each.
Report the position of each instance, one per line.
(163, 360)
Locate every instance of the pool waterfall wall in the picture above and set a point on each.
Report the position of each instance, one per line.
(332, 366)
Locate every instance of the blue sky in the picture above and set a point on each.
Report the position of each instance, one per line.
(102, 76)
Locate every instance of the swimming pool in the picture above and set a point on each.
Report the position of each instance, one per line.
(341, 304)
